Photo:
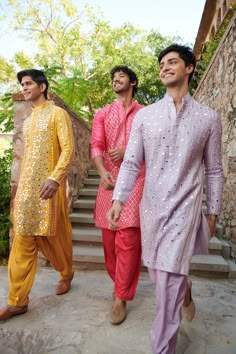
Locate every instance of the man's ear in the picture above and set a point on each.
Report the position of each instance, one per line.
(189, 69)
(133, 83)
(43, 87)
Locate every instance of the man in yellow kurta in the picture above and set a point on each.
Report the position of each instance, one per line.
(40, 215)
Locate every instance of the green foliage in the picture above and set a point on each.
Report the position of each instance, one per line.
(22, 60)
(5, 165)
(210, 47)
(4, 145)
(6, 71)
(6, 125)
(77, 49)
(6, 113)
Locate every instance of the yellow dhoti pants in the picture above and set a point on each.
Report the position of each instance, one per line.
(23, 262)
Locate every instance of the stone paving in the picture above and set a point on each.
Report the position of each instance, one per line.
(78, 322)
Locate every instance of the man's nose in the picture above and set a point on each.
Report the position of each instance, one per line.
(166, 67)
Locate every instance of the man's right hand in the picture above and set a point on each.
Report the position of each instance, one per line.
(113, 215)
(48, 189)
(107, 181)
(212, 224)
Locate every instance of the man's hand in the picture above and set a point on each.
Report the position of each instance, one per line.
(113, 215)
(107, 181)
(116, 154)
(212, 224)
(48, 189)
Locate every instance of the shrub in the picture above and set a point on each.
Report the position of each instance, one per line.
(5, 175)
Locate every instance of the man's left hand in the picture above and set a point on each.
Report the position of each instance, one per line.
(116, 154)
(113, 215)
(212, 224)
(48, 189)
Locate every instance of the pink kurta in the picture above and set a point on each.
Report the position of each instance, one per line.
(111, 130)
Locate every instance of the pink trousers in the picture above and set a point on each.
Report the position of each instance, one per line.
(170, 294)
(122, 250)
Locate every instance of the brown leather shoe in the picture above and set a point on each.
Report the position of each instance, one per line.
(10, 311)
(64, 286)
(118, 312)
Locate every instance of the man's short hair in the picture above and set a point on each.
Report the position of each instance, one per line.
(184, 52)
(37, 76)
(131, 74)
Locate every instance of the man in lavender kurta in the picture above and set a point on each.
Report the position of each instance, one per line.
(180, 141)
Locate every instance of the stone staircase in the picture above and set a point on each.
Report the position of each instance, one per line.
(87, 240)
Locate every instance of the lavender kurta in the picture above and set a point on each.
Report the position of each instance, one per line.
(176, 148)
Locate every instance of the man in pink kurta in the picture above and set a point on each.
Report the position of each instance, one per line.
(180, 140)
(110, 134)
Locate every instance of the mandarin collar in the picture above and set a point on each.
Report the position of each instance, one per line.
(121, 103)
(185, 99)
(131, 107)
(41, 106)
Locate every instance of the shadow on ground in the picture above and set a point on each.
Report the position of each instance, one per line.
(78, 322)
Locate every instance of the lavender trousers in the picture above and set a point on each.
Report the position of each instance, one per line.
(170, 294)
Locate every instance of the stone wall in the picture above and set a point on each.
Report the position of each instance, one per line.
(82, 133)
(218, 90)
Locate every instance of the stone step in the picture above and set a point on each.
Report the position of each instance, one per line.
(232, 269)
(88, 257)
(84, 204)
(93, 235)
(219, 231)
(219, 247)
(93, 172)
(89, 235)
(89, 251)
(88, 192)
(88, 254)
(215, 246)
(226, 249)
(92, 257)
(86, 218)
(209, 266)
(91, 181)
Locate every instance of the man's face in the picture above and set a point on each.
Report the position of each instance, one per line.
(121, 82)
(173, 71)
(30, 89)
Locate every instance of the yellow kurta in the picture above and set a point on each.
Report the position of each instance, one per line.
(48, 152)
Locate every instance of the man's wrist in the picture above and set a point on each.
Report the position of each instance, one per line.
(53, 180)
(212, 217)
(118, 202)
(101, 171)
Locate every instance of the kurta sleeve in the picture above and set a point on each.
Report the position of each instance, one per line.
(130, 167)
(98, 143)
(213, 167)
(66, 142)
